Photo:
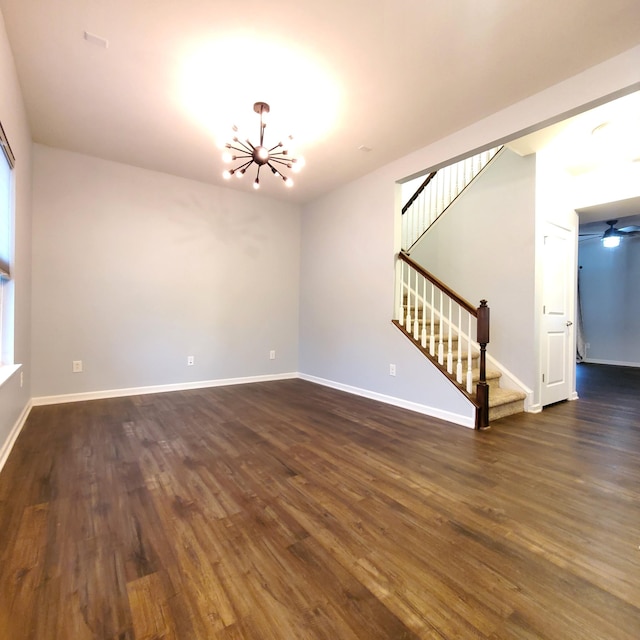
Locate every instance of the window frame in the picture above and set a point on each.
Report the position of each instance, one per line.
(5, 263)
(6, 258)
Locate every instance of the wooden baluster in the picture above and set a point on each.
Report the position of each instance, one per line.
(459, 363)
(407, 320)
(416, 320)
(441, 343)
(421, 225)
(450, 342)
(469, 358)
(482, 390)
(432, 337)
(423, 337)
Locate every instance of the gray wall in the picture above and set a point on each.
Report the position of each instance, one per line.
(14, 398)
(346, 335)
(484, 247)
(135, 270)
(609, 288)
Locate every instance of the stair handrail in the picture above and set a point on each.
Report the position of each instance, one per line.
(481, 314)
(472, 309)
(419, 190)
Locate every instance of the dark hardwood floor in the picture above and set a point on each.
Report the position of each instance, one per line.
(290, 511)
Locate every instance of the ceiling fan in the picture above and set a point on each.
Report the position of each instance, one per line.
(612, 236)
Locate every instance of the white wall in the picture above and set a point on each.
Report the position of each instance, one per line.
(609, 286)
(349, 238)
(483, 247)
(135, 270)
(14, 398)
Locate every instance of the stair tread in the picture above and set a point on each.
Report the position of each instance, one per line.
(500, 396)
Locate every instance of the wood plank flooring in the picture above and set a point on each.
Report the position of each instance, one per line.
(288, 511)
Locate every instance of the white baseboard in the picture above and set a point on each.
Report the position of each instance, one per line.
(164, 388)
(462, 420)
(13, 435)
(614, 363)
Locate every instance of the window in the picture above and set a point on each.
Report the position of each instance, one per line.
(7, 162)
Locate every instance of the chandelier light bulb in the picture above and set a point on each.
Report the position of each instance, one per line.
(256, 184)
(288, 182)
(227, 157)
(227, 174)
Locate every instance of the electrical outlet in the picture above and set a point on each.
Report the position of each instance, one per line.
(272, 354)
(392, 369)
(76, 366)
(190, 361)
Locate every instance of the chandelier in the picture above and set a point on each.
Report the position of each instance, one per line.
(275, 158)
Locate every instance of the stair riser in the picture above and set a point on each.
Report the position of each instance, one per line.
(504, 410)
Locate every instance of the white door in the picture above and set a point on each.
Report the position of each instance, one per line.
(558, 350)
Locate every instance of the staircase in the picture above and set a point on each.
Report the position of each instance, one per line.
(448, 330)
(502, 402)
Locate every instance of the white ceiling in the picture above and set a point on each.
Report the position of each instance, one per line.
(393, 76)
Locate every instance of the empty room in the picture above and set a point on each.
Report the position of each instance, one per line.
(319, 320)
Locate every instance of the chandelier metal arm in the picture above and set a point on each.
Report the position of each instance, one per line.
(243, 148)
(248, 149)
(275, 170)
(243, 167)
(286, 163)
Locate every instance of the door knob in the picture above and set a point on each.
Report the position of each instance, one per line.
(569, 323)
